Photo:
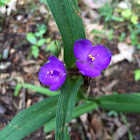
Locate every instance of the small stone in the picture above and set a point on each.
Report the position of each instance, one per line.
(2, 109)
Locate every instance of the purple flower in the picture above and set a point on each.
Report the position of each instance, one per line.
(92, 59)
(52, 73)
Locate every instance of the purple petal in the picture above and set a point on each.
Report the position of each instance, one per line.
(45, 78)
(52, 73)
(102, 57)
(51, 66)
(53, 60)
(87, 70)
(82, 49)
(59, 83)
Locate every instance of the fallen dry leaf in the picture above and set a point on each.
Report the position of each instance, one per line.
(31, 69)
(4, 65)
(95, 4)
(120, 132)
(126, 52)
(96, 124)
(11, 5)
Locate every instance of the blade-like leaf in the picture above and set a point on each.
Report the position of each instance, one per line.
(40, 89)
(69, 22)
(120, 102)
(36, 88)
(35, 116)
(50, 126)
(17, 89)
(84, 108)
(79, 110)
(30, 119)
(65, 107)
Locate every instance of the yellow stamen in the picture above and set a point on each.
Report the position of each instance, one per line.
(47, 72)
(91, 57)
(51, 72)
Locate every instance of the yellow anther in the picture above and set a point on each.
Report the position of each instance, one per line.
(91, 57)
(51, 72)
(47, 72)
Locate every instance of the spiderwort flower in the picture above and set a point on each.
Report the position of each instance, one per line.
(91, 59)
(53, 73)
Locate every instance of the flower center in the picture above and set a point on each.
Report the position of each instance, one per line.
(91, 57)
(53, 73)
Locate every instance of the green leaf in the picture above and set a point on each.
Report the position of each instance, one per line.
(50, 126)
(116, 18)
(126, 123)
(35, 51)
(113, 113)
(134, 39)
(41, 42)
(43, 1)
(97, 32)
(120, 102)
(35, 116)
(17, 89)
(137, 75)
(31, 38)
(106, 11)
(138, 46)
(126, 13)
(3, 2)
(79, 110)
(69, 22)
(134, 19)
(36, 88)
(54, 48)
(110, 35)
(48, 40)
(41, 29)
(122, 37)
(30, 119)
(84, 108)
(65, 107)
(40, 33)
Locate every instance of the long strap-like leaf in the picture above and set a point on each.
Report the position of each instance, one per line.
(30, 119)
(120, 102)
(69, 22)
(35, 116)
(79, 110)
(65, 107)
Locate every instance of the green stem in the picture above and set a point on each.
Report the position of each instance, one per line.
(130, 135)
